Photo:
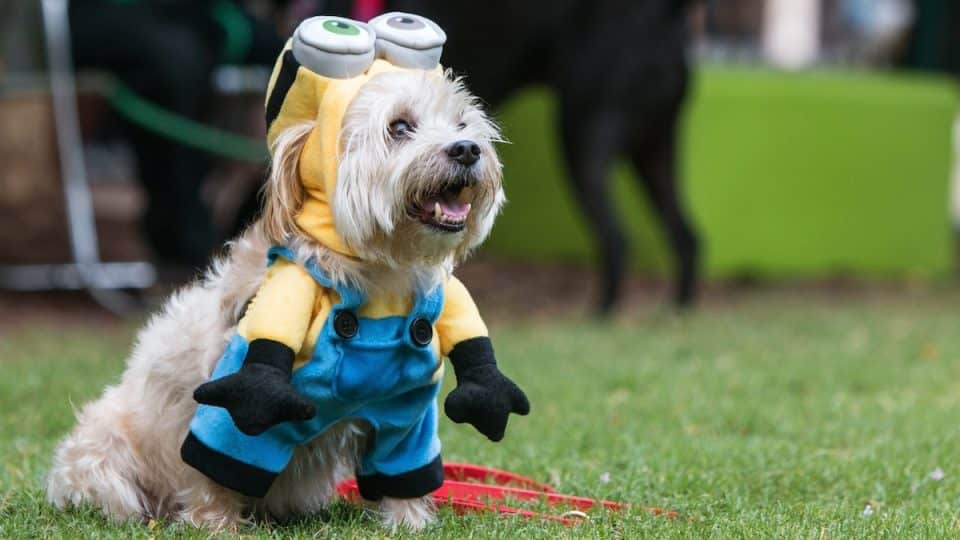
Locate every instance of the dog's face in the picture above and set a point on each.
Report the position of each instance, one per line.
(419, 179)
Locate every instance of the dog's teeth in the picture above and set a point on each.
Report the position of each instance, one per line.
(436, 211)
(469, 206)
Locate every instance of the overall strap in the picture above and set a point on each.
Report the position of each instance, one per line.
(426, 310)
(429, 304)
(349, 296)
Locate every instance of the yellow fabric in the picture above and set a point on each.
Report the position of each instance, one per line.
(283, 307)
(291, 308)
(460, 319)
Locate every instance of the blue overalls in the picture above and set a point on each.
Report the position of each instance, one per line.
(377, 370)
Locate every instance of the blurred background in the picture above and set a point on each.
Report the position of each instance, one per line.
(817, 144)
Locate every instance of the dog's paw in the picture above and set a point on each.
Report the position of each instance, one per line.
(413, 514)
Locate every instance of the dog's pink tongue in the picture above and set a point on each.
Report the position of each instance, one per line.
(454, 208)
(450, 206)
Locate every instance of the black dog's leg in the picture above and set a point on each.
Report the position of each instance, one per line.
(591, 142)
(656, 164)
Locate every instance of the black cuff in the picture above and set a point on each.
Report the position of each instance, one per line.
(271, 353)
(409, 485)
(471, 353)
(225, 470)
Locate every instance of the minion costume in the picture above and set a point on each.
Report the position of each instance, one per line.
(309, 352)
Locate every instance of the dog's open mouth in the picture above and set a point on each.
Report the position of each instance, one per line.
(446, 210)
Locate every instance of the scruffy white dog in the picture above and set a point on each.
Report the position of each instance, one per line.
(315, 344)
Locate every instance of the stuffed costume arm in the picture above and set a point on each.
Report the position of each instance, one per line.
(260, 396)
(484, 396)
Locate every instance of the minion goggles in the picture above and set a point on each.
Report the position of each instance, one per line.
(341, 48)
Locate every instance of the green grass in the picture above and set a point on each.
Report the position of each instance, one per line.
(777, 415)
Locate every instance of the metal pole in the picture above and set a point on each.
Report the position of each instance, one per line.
(91, 274)
(83, 233)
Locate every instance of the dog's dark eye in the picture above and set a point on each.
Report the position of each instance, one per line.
(400, 129)
(461, 126)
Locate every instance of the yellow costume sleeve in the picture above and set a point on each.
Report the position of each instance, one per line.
(282, 309)
(459, 320)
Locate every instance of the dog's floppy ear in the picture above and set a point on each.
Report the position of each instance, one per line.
(284, 194)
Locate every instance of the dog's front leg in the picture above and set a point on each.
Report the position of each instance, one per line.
(413, 514)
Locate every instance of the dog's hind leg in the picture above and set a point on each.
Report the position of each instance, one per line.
(591, 142)
(97, 463)
(206, 504)
(309, 483)
(655, 161)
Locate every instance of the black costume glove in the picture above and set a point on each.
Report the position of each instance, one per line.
(484, 396)
(259, 396)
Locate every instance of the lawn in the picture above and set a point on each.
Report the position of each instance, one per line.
(802, 413)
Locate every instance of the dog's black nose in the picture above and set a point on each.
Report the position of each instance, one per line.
(464, 152)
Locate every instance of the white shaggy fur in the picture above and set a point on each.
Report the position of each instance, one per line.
(123, 456)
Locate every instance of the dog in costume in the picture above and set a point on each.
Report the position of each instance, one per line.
(315, 347)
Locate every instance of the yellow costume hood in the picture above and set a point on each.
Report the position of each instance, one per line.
(320, 70)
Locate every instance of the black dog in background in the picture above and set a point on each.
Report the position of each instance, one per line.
(620, 71)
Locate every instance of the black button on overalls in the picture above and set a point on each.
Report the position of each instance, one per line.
(421, 332)
(345, 324)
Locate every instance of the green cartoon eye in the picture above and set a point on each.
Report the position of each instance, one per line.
(340, 27)
(334, 47)
(408, 40)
